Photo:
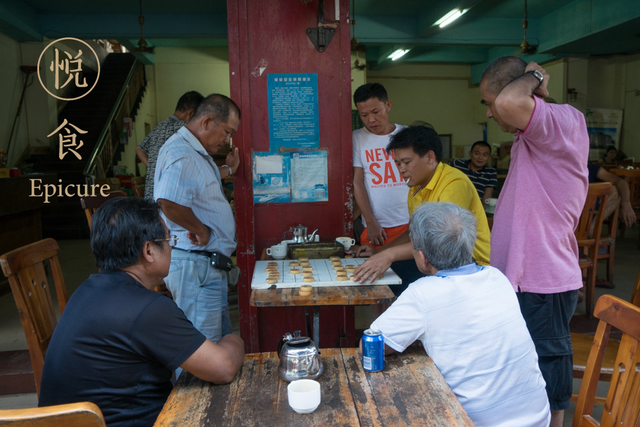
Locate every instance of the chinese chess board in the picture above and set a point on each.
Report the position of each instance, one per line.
(323, 274)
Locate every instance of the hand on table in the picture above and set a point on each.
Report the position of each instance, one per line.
(542, 90)
(372, 268)
(376, 234)
(365, 251)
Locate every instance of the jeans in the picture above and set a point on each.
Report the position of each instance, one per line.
(200, 290)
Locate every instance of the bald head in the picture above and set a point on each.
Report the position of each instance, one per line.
(501, 72)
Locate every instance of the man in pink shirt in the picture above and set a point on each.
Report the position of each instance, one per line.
(533, 241)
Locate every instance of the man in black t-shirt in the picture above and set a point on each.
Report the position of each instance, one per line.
(118, 341)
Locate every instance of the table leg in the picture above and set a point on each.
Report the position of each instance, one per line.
(316, 325)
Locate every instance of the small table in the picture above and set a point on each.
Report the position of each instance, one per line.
(410, 391)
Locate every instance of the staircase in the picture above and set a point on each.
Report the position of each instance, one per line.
(94, 112)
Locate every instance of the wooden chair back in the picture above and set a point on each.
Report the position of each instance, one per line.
(588, 235)
(82, 414)
(622, 406)
(24, 268)
(90, 204)
(592, 217)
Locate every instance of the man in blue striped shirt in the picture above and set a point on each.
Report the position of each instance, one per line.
(483, 177)
(188, 188)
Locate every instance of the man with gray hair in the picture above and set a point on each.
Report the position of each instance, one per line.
(486, 355)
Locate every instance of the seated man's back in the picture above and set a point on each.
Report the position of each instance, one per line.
(469, 322)
(116, 345)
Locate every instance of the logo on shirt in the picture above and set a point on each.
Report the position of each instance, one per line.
(383, 168)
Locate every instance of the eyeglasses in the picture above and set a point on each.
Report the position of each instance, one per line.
(173, 239)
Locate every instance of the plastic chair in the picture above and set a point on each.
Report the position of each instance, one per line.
(588, 236)
(83, 414)
(91, 204)
(622, 405)
(24, 267)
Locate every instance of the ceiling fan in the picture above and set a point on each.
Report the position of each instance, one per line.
(525, 47)
(143, 46)
(355, 45)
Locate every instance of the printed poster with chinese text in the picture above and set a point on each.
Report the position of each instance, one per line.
(293, 111)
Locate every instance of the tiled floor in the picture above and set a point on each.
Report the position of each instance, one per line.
(77, 264)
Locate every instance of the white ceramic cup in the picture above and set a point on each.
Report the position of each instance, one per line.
(304, 396)
(277, 251)
(347, 242)
(491, 202)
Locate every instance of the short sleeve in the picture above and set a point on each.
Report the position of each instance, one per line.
(403, 322)
(181, 170)
(492, 176)
(146, 143)
(357, 162)
(162, 332)
(552, 130)
(459, 192)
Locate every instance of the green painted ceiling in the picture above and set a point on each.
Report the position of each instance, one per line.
(489, 29)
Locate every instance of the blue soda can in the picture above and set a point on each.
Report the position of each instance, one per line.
(372, 350)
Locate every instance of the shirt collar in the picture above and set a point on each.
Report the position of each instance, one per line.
(436, 176)
(193, 141)
(465, 270)
(173, 117)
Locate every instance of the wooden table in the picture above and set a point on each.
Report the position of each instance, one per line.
(334, 295)
(320, 296)
(410, 391)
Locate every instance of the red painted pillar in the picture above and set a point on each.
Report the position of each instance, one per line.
(272, 34)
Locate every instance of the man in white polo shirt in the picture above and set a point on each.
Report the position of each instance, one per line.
(469, 322)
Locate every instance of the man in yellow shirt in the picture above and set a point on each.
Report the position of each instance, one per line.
(417, 151)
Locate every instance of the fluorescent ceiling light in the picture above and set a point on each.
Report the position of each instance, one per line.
(450, 17)
(398, 54)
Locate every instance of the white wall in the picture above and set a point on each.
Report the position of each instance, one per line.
(437, 94)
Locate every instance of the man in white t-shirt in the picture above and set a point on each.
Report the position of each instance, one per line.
(469, 322)
(378, 187)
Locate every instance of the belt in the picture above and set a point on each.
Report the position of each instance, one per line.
(191, 251)
(218, 260)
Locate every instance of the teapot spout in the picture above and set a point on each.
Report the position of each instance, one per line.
(313, 235)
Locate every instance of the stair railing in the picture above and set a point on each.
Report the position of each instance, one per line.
(101, 158)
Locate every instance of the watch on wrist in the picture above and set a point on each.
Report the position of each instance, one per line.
(538, 75)
(230, 170)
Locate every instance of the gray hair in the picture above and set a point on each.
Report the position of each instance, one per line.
(501, 72)
(218, 106)
(445, 233)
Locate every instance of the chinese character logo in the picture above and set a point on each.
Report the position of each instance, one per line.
(68, 142)
(65, 67)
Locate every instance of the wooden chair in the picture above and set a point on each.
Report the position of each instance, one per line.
(90, 204)
(582, 343)
(632, 176)
(622, 405)
(24, 267)
(138, 191)
(609, 243)
(83, 414)
(588, 236)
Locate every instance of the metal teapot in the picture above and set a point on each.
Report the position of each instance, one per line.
(299, 358)
(300, 234)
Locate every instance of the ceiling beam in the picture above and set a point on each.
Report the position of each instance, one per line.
(583, 18)
(118, 26)
(19, 21)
